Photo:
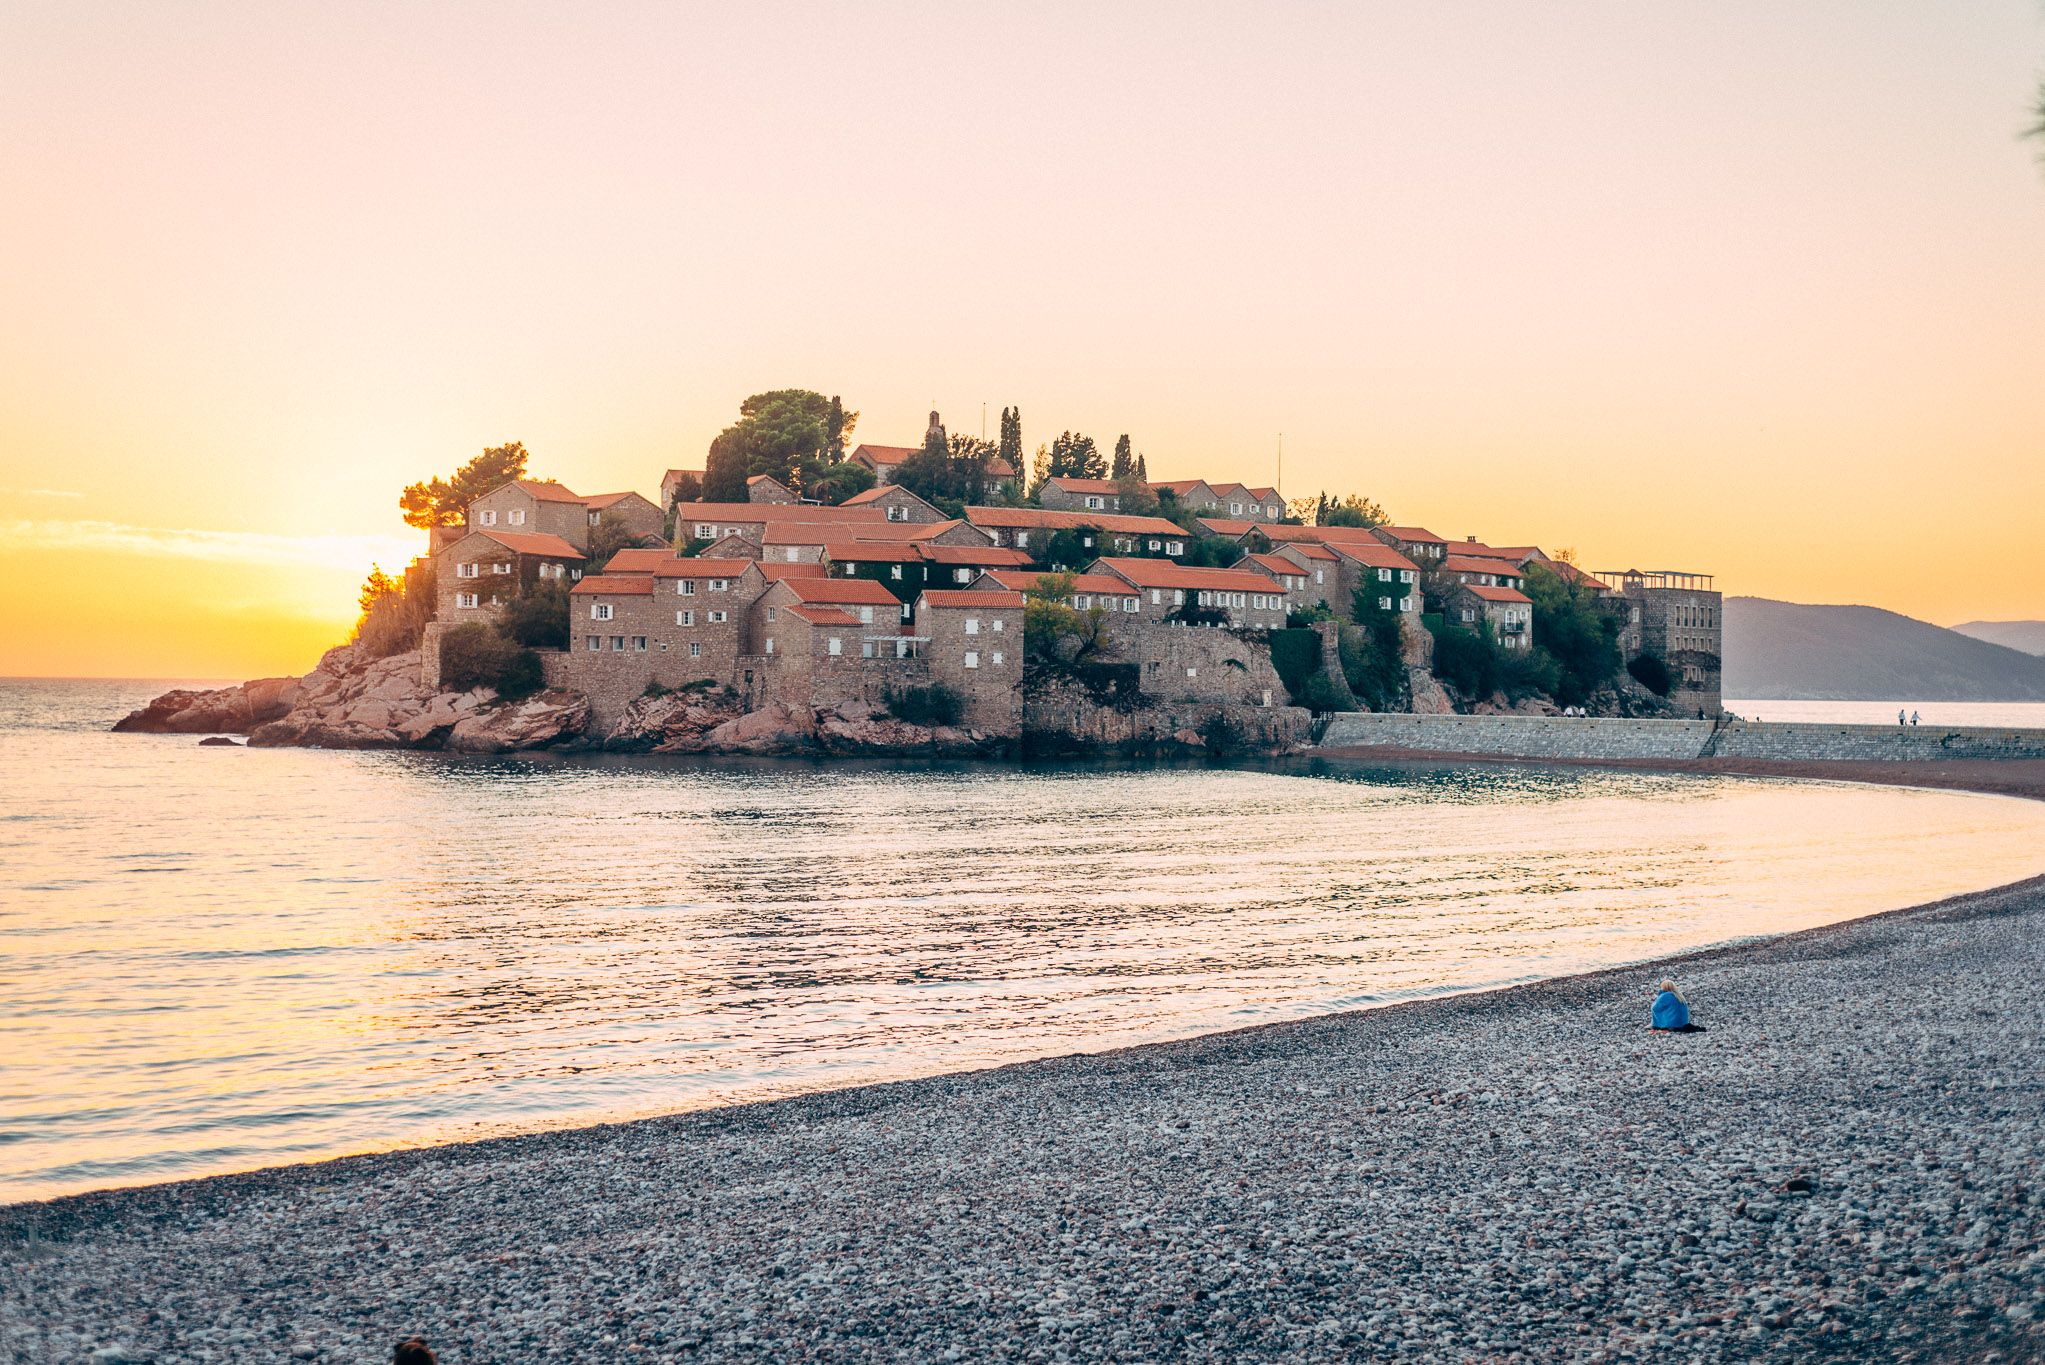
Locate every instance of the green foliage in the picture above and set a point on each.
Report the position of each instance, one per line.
(606, 538)
(1372, 662)
(478, 656)
(1651, 673)
(1069, 549)
(394, 611)
(1296, 654)
(1134, 497)
(932, 705)
(1048, 621)
(953, 474)
(1124, 466)
(445, 502)
(1074, 456)
(1473, 663)
(688, 488)
(838, 424)
(1142, 470)
(833, 483)
(538, 617)
(1321, 694)
(1583, 640)
(1350, 511)
(1011, 446)
(1210, 552)
(775, 433)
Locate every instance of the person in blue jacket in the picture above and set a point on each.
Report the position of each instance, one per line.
(1672, 1012)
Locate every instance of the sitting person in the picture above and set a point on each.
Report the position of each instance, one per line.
(1672, 1012)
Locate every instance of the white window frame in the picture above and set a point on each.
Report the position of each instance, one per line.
(997, 658)
(972, 659)
(489, 518)
(972, 625)
(836, 646)
(695, 649)
(599, 611)
(686, 587)
(515, 517)
(465, 599)
(685, 618)
(718, 618)
(596, 643)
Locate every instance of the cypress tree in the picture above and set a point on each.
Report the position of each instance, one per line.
(1141, 472)
(1123, 466)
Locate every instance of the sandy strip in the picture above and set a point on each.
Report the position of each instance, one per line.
(1846, 1167)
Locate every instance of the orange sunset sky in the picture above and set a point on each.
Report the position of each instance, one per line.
(1731, 286)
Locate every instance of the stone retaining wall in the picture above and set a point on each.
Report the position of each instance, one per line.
(1601, 737)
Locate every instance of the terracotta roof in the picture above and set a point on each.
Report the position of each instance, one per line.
(876, 493)
(546, 490)
(861, 591)
(1081, 582)
(1221, 527)
(884, 454)
(1263, 494)
(612, 585)
(1031, 517)
(1414, 534)
(973, 554)
(1308, 549)
(1374, 554)
(521, 543)
(765, 478)
(940, 598)
(1472, 564)
(1275, 564)
(774, 573)
(905, 531)
(874, 551)
(739, 513)
(1324, 535)
(1476, 549)
(824, 616)
(636, 560)
(1161, 573)
(599, 501)
(677, 473)
(700, 568)
(1496, 594)
(1000, 468)
(1070, 485)
(1179, 487)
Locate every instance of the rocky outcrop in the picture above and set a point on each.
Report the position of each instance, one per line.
(685, 724)
(539, 722)
(1061, 716)
(227, 710)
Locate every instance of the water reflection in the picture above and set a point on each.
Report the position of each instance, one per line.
(220, 958)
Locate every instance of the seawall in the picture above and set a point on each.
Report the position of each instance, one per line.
(1589, 737)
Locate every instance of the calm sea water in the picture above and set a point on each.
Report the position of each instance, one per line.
(2028, 715)
(213, 959)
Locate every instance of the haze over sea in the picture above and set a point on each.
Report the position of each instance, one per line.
(213, 959)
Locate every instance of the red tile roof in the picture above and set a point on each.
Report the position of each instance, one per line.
(701, 568)
(884, 454)
(1161, 573)
(874, 551)
(861, 591)
(520, 543)
(740, 513)
(612, 585)
(1263, 494)
(876, 493)
(973, 554)
(547, 490)
(636, 560)
(597, 502)
(1081, 582)
(1473, 564)
(1070, 485)
(824, 616)
(1235, 530)
(907, 531)
(1325, 535)
(984, 599)
(774, 573)
(1307, 549)
(1414, 535)
(1275, 564)
(1032, 517)
(1179, 487)
(1495, 594)
(1375, 554)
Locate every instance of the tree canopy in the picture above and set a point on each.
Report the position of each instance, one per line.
(1011, 448)
(778, 434)
(445, 502)
(1353, 510)
(1124, 465)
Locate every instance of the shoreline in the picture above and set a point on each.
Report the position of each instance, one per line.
(2024, 777)
(1427, 1172)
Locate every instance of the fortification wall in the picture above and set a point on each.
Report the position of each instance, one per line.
(1064, 717)
(1605, 737)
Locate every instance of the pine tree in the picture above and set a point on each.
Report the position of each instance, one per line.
(1123, 466)
(1141, 472)
(1011, 448)
(1040, 470)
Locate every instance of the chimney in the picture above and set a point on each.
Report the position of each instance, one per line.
(1471, 539)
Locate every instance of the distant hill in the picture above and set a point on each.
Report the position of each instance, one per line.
(1778, 650)
(2028, 636)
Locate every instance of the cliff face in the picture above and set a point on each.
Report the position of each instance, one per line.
(678, 724)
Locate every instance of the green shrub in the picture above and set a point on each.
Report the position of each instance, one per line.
(537, 618)
(394, 611)
(1651, 673)
(1320, 694)
(1569, 624)
(1296, 654)
(477, 656)
(932, 705)
(1465, 661)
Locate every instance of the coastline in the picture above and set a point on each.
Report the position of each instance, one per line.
(1523, 1170)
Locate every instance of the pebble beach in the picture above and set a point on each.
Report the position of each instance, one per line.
(1845, 1167)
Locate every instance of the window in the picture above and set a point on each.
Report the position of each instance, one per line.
(972, 659)
(705, 531)
(866, 649)
(1192, 672)
(1469, 615)
(1156, 545)
(1238, 600)
(695, 649)
(894, 571)
(685, 618)
(465, 599)
(907, 612)
(718, 618)
(516, 518)
(599, 611)
(1270, 512)
(1235, 509)
(618, 644)
(962, 575)
(1094, 504)
(794, 554)
(997, 625)
(500, 568)
(1405, 575)
(638, 644)
(1022, 538)
(464, 571)
(898, 514)
(1320, 575)
(593, 517)
(770, 644)
(1175, 547)
(1087, 541)
(972, 625)
(686, 587)
(1082, 603)
(1257, 601)
(1384, 604)
(1405, 604)
(770, 613)
(997, 658)
(596, 642)
(1384, 575)
(1178, 597)
(489, 518)
(719, 584)
(837, 646)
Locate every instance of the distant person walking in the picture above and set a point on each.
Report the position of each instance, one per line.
(1672, 1012)
(1913, 718)
(413, 1351)
(1899, 717)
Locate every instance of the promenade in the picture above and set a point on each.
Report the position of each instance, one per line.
(1846, 1167)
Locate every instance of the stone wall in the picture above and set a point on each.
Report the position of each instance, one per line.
(1604, 737)
(1062, 716)
(1198, 663)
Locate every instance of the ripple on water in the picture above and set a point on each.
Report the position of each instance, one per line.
(219, 958)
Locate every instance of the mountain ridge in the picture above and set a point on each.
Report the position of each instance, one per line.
(2027, 636)
(1777, 651)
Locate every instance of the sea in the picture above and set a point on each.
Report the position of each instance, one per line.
(219, 958)
(2023, 715)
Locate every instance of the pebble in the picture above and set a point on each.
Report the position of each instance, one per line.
(1845, 1167)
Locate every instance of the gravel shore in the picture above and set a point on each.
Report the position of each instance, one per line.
(1845, 1167)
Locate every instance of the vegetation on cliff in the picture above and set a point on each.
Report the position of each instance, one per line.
(794, 436)
(445, 502)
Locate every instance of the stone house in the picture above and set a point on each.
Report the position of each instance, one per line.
(1249, 600)
(1675, 617)
(1195, 495)
(1483, 572)
(898, 503)
(616, 645)
(959, 565)
(535, 507)
(901, 568)
(1417, 543)
(1032, 528)
(1260, 506)
(1509, 613)
(711, 521)
(876, 609)
(972, 643)
(1380, 572)
(670, 480)
(882, 460)
(703, 606)
(484, 569)
(1293, 578)
(1321, 567)
(635, 513)
(1064, 494)
(826, 656)
(767, 488)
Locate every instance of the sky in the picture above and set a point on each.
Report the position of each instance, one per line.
(1736, 287)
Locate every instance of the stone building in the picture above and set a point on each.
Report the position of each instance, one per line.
(767, 488)
(671, 480)
(1417, 543)
(1484, 572)
(1291, 577)
(485, 569)
(711, 521)
(1674, 617)
(1248, 600)
(1227, 501)
(1379, 572)
(1509, 613)
(898, 503)
(634, 512)
(972, 643)
(876, 609)
(1064, 494)
(1032, 529)
(535, 507)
